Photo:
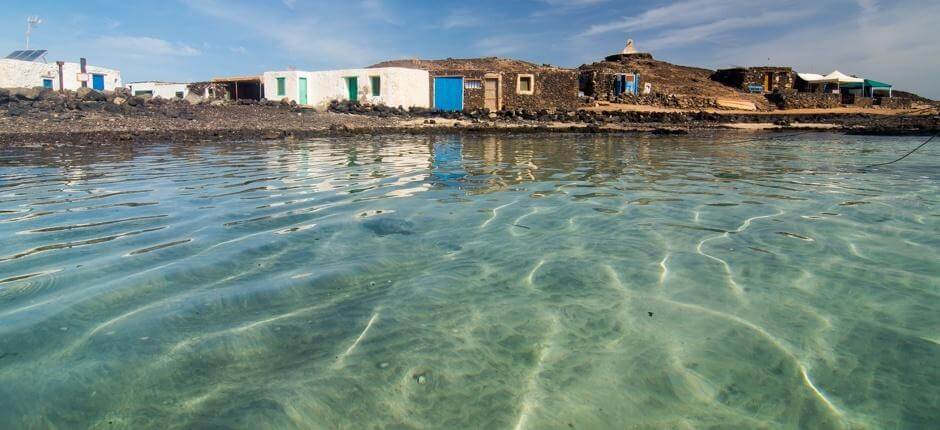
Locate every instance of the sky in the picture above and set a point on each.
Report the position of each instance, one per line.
(892, 41)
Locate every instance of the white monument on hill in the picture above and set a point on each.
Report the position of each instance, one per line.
(629, 49)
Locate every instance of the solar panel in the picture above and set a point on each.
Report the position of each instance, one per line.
(29, 55)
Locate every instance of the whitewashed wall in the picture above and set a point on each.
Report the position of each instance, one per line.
(399, 86)
(166, 90)
(28, 74)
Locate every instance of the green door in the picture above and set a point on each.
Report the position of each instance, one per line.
(303, 91)
(353, 85)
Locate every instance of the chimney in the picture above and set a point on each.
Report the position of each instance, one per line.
(83, 63)
(61, 75)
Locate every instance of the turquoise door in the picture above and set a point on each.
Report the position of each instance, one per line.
(448, 93)
(303, 90)
(97, 82)
(352, 85)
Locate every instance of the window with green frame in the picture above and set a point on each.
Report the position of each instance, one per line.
(281, 86)
(376, 86)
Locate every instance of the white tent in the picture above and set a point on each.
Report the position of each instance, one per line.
(842, 78)
(814, 78)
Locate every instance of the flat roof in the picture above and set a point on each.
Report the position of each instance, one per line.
(237, 79)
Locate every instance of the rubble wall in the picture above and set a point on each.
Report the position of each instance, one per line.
(554, 89)
(895, 103)
(794, 100)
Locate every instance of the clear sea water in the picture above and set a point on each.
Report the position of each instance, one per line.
(532, 282)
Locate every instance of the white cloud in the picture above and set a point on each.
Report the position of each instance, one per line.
(305, 39)
(146, 46)
(290, 4)
(682, 13)
(698, 33)
(462, 18)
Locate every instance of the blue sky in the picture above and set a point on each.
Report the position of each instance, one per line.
(185, 40)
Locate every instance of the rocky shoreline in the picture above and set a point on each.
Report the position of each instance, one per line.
(36, 116)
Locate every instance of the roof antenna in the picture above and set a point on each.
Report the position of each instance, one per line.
(31, 22)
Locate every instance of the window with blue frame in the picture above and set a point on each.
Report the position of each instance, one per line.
(47, 83)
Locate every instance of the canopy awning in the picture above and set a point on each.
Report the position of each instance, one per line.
(876, 84)
(842, 78)
(814, 78)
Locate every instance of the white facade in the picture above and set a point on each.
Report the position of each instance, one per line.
(396, 86)
(29, 74)
(166, 90)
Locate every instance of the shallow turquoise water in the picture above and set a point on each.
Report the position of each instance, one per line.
(484, 282)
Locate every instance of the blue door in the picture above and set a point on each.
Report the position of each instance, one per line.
(97, 82)
(448, 94)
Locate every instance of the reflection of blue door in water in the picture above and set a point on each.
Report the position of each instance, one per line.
(447, 168)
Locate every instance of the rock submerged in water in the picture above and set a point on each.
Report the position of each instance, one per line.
(389, 226)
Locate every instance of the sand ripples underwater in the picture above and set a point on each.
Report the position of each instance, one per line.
(472, 282)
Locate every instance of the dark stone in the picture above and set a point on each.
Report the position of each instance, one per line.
(389, 226)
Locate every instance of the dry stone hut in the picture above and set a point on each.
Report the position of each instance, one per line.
(495, 84)
(760, 80)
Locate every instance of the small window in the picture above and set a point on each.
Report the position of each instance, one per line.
(281, 87)
(376, 86)
(47, 83)
(179, 94)
(143, 93)
(473, 84)
(525, 84)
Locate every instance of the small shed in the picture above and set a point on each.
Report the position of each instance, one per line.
(166, 90)
(763, 79)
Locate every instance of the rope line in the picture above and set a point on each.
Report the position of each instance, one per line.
(905, 155)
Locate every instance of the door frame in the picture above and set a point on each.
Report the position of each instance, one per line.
(353, 95)
(93, 77)
(302, 91)
(499, 89)
(462, 90)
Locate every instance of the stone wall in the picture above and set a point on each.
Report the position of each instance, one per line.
(668, 100)
(202, 89)
(791, 100)
(895, 102)
(554, 89)
(863, 102)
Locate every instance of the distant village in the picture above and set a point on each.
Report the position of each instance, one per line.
(628, 77)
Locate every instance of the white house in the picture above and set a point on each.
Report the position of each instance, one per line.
(29, 74)
(166, 90)
(390, 86)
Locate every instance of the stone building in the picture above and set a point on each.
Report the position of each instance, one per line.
(615, 76)
(765, 79)
(495, 84)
